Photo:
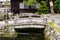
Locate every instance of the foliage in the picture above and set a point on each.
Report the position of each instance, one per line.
(54, 26)
(29, 2)
(51, 24)
(4, 16)
(43, 8)
(6, 4)
(57, 6)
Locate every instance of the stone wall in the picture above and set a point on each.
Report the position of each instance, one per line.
(51, 34)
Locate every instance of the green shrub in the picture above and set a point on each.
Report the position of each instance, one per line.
(43, 8)
(57, 6)
(29, 2)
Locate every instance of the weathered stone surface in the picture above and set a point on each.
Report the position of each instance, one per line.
(52, 34)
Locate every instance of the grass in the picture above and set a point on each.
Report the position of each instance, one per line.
(7, 33)
(54, 26)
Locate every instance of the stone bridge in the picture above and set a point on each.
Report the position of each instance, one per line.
(27, 25)
(30, 27)
(26, 21)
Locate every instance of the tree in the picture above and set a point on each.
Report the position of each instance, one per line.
(43, 8)
(51, 6)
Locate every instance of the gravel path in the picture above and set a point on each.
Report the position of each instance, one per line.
(55, 18)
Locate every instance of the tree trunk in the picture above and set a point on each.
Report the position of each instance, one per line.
(51, 6)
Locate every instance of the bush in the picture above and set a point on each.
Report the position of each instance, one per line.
(43, 8)
(29, 2)
(57, 6)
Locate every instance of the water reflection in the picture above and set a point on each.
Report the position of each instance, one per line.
(31, 36)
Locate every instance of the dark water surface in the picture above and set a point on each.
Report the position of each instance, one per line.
(37, 36)
(27, 34)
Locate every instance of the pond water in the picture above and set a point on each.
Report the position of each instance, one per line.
(27, 34)
(36, 36)
(32, 36)
(30, 33)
